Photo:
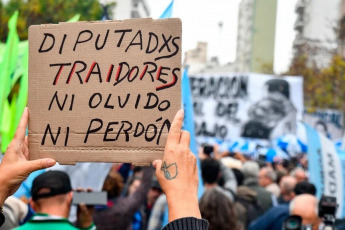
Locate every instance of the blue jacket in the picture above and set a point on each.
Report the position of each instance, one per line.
(273, 219)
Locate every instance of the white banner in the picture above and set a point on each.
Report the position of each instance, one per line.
(228, 106)
(326, 121)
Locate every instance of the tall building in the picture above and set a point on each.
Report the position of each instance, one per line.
(126, 9)
(316, 23)
(341, 30)
(256, 35)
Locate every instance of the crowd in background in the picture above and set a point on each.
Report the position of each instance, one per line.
(239, 193)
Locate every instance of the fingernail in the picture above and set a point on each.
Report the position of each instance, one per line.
(154, 164)
(180, 112)
(50, 163)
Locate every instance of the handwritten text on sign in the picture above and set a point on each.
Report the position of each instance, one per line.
(103, 91)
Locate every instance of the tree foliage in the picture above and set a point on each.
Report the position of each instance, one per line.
(323, 88)
(35, 12)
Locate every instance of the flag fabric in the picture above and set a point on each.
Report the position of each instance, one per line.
(7, 68)
(326, 169)
(168, 11)
(8, 64)
(314, 159)
(188, 122)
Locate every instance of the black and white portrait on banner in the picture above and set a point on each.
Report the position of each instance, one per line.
(326, 121)
(228, 106)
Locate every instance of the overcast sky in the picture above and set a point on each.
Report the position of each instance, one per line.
(200, 21)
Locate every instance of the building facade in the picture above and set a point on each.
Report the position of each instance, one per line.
(126, 9)
(256, 35)
(315, 26)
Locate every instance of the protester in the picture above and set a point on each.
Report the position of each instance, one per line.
(287, 185)
(305, 187)
(51, 200)
(299, 174)
(247, 206)
(218, 210)
(306, 206)
(267, 180)
(119, 214)
(250, 171)
(274, 218)
(212, 170)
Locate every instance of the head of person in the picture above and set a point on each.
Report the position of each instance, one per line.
(321, 127)
(218, 210)
(287, 185)
(299, 174)
(278, 86)
(306, 206)
(267, 176)
(305, 187)
(154, 192)
(250, 170)
(210, 170)
(52, 193)
(113, 184)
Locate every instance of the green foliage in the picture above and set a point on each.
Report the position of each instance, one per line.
(35, 12)
(323, 88)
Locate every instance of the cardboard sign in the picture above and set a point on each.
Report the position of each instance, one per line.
(103, 91)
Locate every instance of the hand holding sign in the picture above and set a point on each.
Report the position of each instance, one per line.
(177, 173)
(15, 167)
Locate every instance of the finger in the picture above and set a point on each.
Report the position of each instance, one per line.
(20, 133)
(35, 165)
(175, 129)
(157, 163)
(26, 148)
(185, 139)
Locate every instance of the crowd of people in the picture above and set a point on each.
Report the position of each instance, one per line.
(239, 193)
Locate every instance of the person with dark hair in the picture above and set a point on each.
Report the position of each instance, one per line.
(218, 210)
(51, 200)
(278, 86)
(305, 187)
(321, 127)
(212, 170)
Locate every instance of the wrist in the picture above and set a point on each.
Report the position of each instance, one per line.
(183, 206)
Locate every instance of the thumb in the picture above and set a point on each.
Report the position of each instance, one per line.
(43, 163)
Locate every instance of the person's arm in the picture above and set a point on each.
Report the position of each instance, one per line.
(133, 202)
(177, 174)
(15, 166)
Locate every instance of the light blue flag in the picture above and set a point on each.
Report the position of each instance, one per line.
(314, 159)
(188, 122)
(168, 11)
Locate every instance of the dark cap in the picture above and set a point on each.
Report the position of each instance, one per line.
(57, 182)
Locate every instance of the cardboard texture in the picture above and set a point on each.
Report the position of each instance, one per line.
(103, 91)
